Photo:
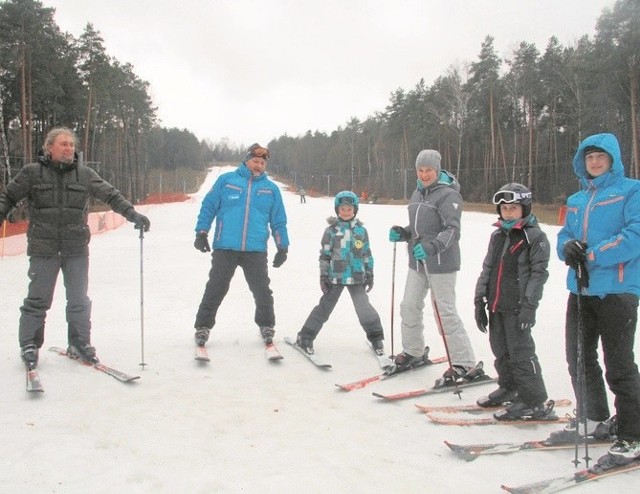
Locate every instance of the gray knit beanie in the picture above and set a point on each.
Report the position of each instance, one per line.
(428, 158)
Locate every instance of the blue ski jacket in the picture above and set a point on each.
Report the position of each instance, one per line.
(246, 209)
(605, 214)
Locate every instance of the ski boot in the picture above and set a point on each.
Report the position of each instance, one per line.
(305, 343)
(29, 355)
(378, 346)
(459, 374)
(499, 397)
(519, 410)
(267, 334)
(606, 429)
(404, 361)
(84, 352)
(626, 451)
(202, 335)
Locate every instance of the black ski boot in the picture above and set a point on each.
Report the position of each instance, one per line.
(519, 410)
(499, 397)
(267, 334)
(606, 429)
(84, 352)
(202, 335)
(458, 374)
(305, 343)
(29, 355)
(404, 361)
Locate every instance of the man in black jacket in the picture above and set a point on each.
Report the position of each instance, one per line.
(58, 190)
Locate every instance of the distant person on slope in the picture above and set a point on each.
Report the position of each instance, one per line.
(600, 242)
(303, 195)
(345, 262)
(510, 287)
(433, 233)
(58, 189)
(246, 205)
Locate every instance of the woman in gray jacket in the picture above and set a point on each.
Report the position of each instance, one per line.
(435, 208)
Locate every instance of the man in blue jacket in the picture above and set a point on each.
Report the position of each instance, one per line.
(247, 207)
(600, 242)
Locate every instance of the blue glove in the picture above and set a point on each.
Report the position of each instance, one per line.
(419, 253)
(397, 234)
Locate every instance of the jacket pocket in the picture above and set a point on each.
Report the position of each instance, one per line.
(76, 196)
(43, 196)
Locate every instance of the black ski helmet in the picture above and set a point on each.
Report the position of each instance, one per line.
(346, 197)
(513, 193)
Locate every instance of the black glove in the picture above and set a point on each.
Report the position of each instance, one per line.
(325, 284)
(140, 221)
(527, 317)
(582, 275)
(482, 321)
(280, 257)
(368, 282)
(575, 252)
(202, 242)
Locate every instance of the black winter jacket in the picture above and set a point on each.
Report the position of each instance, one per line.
(514, 270)
(58, 205)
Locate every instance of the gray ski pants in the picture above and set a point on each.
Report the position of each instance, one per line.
(411, 312)
(43, 273)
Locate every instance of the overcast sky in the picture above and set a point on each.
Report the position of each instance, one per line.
(252, 70)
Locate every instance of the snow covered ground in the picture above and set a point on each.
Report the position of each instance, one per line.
(242, 424)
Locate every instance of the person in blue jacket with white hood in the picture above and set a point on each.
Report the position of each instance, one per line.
(247, 207)
(600, 241)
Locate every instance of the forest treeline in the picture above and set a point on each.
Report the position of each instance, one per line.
(494, 120)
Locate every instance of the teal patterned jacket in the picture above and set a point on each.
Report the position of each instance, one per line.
(345, 256)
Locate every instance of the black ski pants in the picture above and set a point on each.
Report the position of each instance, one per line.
(43, 273)
(611, 320)
(223, 267)
(367, 316)
(515, 358)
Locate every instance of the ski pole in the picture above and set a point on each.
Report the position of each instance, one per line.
(142, 363)
(436, 312)
(4, 236)
(393, 289)
(581, 388)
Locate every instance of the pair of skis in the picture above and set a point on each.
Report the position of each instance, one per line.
(270, 350)
(384, 361)
(606, 466)
(34, 384)
(478, 381)
(447, 419)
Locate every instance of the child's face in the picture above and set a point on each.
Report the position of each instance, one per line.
(511, 211)
(345, 211)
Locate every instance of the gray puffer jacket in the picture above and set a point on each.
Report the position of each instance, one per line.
(434, 218)
(58, 205)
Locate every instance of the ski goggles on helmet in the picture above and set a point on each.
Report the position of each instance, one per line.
(350, 201)
(510, 197)
(258, 152)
